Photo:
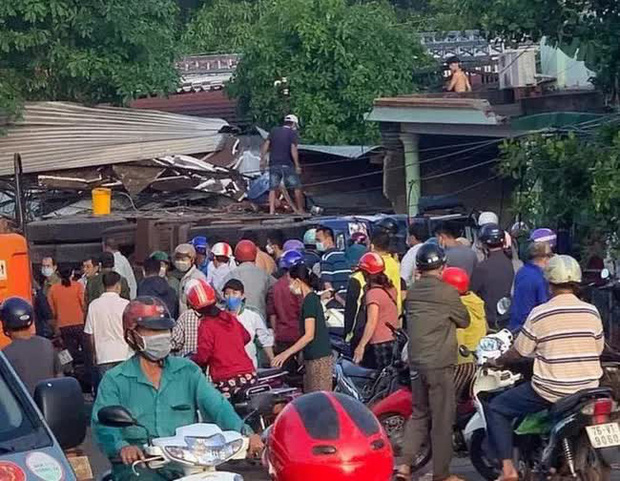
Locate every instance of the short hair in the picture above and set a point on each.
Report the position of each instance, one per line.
(419, 231)
(110, 279)
(538, 250)
(151, 266)
(54, 263)
(111, 243)
(381, 240)
(453, 59)
(106, 260)
(92, 259)
(447, 228)
(276, 237)
(326, 230)
(250, 235)
(235, 285)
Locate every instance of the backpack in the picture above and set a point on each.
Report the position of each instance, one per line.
(361, 318)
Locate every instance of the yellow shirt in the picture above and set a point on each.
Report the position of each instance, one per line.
(392, 271)
(470, 336)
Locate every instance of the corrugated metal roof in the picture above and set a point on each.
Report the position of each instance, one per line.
(58, 135)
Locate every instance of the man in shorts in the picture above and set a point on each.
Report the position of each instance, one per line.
(283, 162)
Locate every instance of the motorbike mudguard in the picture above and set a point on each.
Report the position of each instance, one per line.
(476, 422)
(400, 401)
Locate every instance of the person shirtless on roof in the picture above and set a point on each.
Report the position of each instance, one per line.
(459, 82)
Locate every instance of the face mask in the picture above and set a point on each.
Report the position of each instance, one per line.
(183, 266)
(295, 290)
(269, 249)
(156, 347)
(47, 271)
(162, 271)
(233, 303)
(320, 247)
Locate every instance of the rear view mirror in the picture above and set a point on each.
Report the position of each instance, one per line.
(116, 417)
(464, 351)
(503, 305)
(605, 274)
(62, 404)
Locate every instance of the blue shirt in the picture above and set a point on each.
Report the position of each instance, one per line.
(204, 266)
(531, 289)
(335, 269)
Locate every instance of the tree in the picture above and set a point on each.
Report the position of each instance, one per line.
(336, 59)
(588, 28)
(86, 50)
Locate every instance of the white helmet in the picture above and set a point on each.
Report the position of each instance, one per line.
(563, 270)
(292, 118)
(222, 249)
(487, 218)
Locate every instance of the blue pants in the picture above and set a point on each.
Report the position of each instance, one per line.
(504, 409)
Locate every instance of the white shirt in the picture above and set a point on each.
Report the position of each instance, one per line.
(407, 265)
(104, 322)
(216, 275)
(255, 325)
(123, 267)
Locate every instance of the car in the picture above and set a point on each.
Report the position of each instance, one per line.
(34, 434)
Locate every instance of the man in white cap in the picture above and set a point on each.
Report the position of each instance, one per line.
(283, 162)
(184, 257)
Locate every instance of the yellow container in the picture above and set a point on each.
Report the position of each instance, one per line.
(102, 201)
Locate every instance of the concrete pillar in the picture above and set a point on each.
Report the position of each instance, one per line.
(413, 183)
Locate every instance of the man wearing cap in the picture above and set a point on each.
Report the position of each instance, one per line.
(283, 162)
(201, 245)
(184, 261)
(165, 268)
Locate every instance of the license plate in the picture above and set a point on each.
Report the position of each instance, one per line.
(604, 435)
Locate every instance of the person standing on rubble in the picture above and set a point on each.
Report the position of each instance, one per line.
(283, 162)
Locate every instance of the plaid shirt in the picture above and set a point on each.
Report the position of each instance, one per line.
(185, 333)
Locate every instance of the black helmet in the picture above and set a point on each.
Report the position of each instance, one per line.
(16, 313)
(429, 257)
(387, 225)
(492, 235)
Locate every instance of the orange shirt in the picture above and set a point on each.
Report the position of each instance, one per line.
(266, 262)
(67, 304)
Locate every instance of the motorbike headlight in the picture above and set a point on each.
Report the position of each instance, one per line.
(210, 451)
(489, 344)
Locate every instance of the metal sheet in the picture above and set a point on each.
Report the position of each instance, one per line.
(58, 136)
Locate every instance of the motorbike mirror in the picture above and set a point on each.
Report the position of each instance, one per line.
(464, 351)
(503, 305)
(605, 274)
(116, 417)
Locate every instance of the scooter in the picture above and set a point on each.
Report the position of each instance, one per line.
(196, 450)
(576, 437)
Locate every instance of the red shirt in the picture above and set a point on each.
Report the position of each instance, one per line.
(286, 307)
(221, 347)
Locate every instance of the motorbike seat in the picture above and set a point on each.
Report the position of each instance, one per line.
(569, 403)
(354, 370)
(270, 372)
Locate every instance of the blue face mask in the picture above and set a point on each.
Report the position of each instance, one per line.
(233, 303)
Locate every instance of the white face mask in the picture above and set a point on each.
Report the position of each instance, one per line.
(47, 271)
(183, 265)
(162, 271)
(295, 289)
(269, 249)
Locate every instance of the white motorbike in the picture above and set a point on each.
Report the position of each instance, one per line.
(196, 450)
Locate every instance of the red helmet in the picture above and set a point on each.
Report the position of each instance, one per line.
(457, 278)
(246, 251)
(372, 263)
(328, 436)
(147, 312)
(199, 294)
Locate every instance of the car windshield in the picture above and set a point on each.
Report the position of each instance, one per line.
(20, 427)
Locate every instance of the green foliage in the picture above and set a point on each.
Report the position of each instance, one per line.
(588, 28)
(336, 57)
(568, 181)
(86, 50)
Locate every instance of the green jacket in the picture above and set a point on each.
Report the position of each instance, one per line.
(434, 311)
(95, 287)
(184, 391)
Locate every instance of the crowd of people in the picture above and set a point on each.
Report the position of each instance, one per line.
(227, 310)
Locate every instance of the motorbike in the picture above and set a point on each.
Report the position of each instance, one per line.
(370, 385)
(576, 437)
(195, 450)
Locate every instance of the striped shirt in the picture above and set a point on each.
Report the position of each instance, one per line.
(185, 333)
(565, 338)
(335, 269)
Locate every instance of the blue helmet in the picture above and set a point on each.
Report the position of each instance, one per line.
(290, 258)
(200, 243)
